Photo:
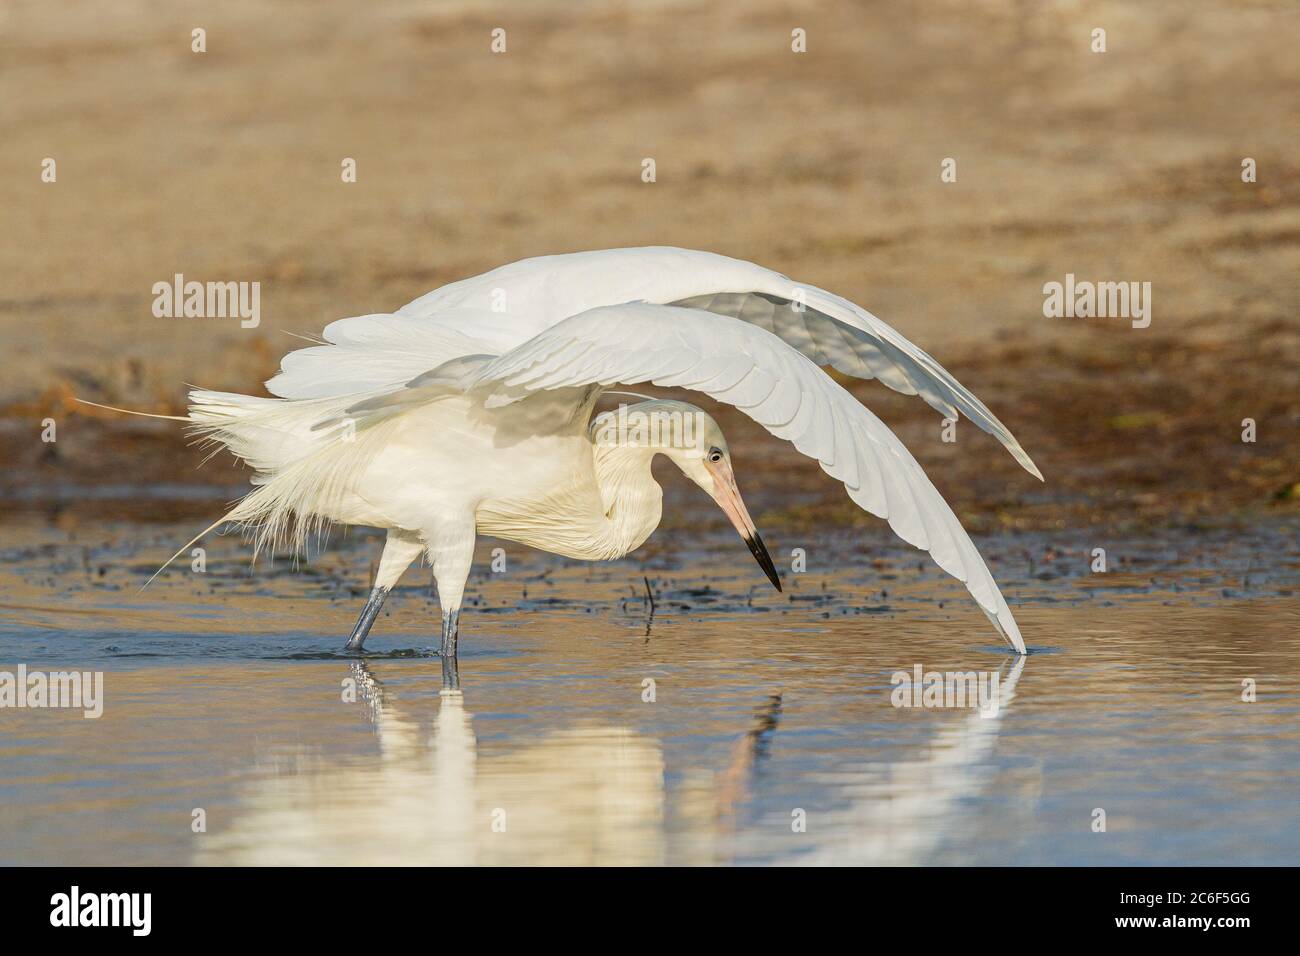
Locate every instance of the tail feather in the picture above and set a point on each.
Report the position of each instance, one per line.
(305, 474)
(305, 498)
(268, 434)
(129, 411)
(194, 540)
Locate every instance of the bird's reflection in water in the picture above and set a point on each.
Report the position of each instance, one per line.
(584, 796)
(591, 795)
(899, 814)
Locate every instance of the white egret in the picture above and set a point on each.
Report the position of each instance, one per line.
(469, 411)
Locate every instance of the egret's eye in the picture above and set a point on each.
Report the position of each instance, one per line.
(715, 455)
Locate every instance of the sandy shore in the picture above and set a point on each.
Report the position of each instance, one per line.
(1122, 166)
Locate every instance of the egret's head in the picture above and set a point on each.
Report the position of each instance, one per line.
(693, 441)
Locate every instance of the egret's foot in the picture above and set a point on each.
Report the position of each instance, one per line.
(450, 668)
(367, 618)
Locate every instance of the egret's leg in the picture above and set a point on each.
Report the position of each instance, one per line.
(450, 664)
(450, 631)
(367, 618)
(400, 550)
(451, 552)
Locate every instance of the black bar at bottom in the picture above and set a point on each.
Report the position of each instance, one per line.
(207, 905)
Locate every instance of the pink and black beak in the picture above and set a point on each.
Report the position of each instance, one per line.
(727, 495)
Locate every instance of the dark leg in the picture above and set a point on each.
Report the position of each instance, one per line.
(450, 670)
(367, 618)
(450, 546)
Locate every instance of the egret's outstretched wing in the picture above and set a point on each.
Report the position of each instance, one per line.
(833, 331)
(519, 300)
(782, 389)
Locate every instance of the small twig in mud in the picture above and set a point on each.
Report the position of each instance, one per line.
(650, 602)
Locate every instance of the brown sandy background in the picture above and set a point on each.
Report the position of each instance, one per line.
(1117, 166)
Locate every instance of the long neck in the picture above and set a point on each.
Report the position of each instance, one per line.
(632, 499)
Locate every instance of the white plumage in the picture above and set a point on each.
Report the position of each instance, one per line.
(469, 411)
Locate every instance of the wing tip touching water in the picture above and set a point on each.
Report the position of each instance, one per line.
(1005, 625)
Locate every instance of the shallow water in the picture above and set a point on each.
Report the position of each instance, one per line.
(225, 691)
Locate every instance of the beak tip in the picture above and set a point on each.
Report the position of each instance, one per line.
(759, 550)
